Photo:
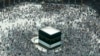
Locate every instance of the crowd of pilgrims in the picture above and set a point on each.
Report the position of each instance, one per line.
(19, 23)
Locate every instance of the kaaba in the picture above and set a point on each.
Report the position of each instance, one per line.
(49, 37)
